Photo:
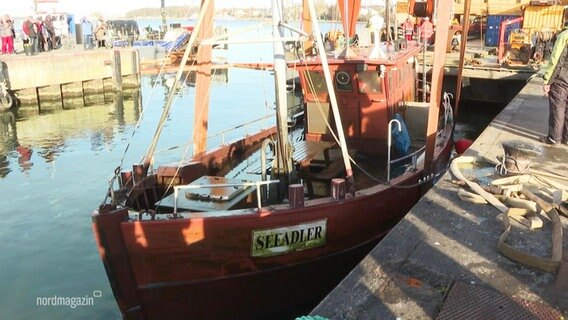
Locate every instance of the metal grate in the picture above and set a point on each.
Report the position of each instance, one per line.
(472, 302)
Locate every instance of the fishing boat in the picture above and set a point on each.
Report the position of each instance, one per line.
(195, 239)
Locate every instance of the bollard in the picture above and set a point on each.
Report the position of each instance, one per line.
(338, 187)
(296, 195)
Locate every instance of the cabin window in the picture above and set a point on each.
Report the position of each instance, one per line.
(316, 82)
(370, 82)
(343, 81)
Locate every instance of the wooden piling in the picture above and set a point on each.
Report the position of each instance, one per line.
(117, 71)
(135, 67)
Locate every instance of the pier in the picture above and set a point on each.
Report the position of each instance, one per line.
(441, 261)
(51, 78)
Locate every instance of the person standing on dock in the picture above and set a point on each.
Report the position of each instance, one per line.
(100, 33)
(408, 27)
(40, 34)
(32, 33)
(556, 86)
(426, 30)
(6, 32)
(50, 28)
(25, 32)
(87, 29)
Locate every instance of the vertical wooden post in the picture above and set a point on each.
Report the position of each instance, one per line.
(135, 67)
(38, 100)
(203, 82)
(338, 187)
(61, 95)
(104, 91)
(117, 74)
(465, 30)
(119, 107)
(440, 46)
(296, 195)
(139, 172)
(83, 92)
(126, 179)
(307, 27)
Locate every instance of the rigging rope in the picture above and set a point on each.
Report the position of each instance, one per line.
(448, 118)
(117, 171)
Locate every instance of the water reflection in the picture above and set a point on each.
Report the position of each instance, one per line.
(8, 139)
(26, 137)
(219, 76)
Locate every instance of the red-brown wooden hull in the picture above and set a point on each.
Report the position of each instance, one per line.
(202, 267)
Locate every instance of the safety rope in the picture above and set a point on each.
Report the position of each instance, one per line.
(506, 161)
(134, 131)
(117, 171)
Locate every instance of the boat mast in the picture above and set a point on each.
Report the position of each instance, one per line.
(203, 81)
(439, 57)
(150, 153)
(465, 30)
(349, 10)
(283, 164)
(306, 26)
(332, 97)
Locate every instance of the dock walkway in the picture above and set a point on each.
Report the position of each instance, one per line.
(441, 260)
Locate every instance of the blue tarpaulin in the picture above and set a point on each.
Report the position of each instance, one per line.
(400, 138)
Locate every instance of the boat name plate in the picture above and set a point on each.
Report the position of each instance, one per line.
(270, 242)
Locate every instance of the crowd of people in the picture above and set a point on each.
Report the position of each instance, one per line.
(421, 31)
(41, 34)
(47, 32)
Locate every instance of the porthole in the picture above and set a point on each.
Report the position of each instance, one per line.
(342, 78)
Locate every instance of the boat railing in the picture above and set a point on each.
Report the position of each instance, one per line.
(413, 155)
(223, 134)
(256, 184)
(389, 144)
(246, 126)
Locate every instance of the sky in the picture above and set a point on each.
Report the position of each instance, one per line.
(21, 8)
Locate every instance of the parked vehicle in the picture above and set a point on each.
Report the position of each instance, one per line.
(123, 29)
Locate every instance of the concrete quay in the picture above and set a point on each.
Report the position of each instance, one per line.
(70, 73)
(441, 261)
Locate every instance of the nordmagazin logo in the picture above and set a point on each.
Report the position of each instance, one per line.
(71, 302)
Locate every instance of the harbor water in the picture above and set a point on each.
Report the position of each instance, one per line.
(54, 171)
